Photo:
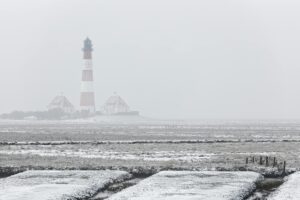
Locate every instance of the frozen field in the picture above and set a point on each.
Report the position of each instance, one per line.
(18, 131)
(77, 185)
(88, 145)
(57, 185)
(192, 185)
(146, 148)
(290, 190)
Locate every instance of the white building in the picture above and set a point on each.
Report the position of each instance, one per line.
(61, 102)
(115, 105)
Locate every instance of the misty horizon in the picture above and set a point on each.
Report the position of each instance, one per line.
(167, 59)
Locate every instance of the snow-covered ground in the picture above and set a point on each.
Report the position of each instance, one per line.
(183, 185)
(143, 148)
(188, 156)
(20, 131)
(290, 190)
(57, 185)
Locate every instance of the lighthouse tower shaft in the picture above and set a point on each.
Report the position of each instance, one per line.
(87, 96)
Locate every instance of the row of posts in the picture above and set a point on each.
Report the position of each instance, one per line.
(267, 161)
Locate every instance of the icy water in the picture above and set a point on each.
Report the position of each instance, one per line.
(161, 144)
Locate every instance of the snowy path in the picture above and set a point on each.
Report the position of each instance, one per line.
(183, 185)
(290, 190)
(56, 185)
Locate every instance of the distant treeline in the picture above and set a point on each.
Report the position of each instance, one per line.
(54, 114)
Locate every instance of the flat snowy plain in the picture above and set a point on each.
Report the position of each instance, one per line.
(186, 185)
(57, 185)
(93, 145)
(144, 147)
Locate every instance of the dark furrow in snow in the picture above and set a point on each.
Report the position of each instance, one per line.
(148, 142)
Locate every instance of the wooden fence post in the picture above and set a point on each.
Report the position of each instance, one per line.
(284, 165)
(260, 160)
(274, 161)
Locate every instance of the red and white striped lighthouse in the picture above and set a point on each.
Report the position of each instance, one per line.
(87, 96)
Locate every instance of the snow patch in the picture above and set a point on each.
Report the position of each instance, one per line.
(183, 185)
(57, 185)
(290, 190)
(113, 155)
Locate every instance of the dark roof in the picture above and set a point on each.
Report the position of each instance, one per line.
(87, 45)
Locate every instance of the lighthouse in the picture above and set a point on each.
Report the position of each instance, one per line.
(87, 96)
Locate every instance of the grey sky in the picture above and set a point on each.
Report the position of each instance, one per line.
(166, 58)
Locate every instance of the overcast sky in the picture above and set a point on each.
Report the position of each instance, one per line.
(166, 58)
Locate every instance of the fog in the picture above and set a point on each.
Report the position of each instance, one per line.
(167, 58)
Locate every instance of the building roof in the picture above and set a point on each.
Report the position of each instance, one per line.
(88, 46)
(61, 102)
(115, 104)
